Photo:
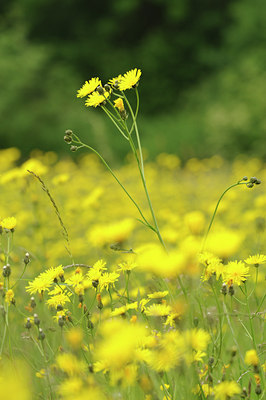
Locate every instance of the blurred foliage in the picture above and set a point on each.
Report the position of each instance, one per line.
(202, 89)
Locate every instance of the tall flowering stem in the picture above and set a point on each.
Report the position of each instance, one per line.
(101, 96)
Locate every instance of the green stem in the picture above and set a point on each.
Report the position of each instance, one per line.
(147, 193)
(137, 132)
(113, 174)
(215, 211)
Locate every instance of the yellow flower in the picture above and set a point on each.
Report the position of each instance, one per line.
(9, 223)
(235, 272)
(59, 299)
(107, 280)
(45, 280)
(158, 310)
(130, 79)
(96, 99)
(74, 337)
(70, 364)
(114, 82)
(119, 104)
(226, 389)
(256, 260)
(89, 87)
(251, 358)
(119, 342)
(9, 297)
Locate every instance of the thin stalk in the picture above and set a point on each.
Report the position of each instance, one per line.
(117, 180)
(147, 193)
(215, 211)
(137, 132)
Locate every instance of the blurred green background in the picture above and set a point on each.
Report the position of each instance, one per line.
(203, 84)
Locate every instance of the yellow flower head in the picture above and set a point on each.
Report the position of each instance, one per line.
(235, 272)
(226, 389)
(114, 82)
(9, 297)
(96, 99)
(251, 357)
(89, 87)
(75, 337)
(119, 104)
(130, 79)
(256, 260)
(9, 223)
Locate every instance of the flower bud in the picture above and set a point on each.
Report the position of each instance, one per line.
(231, 290)
(224, 289)
(61, 321)
(28, 324)
(27, 258)
(36, 319)
(41, 335)
(250, 185)
(32, 302)
(253, 179)
(68, 132)
(100, 90)
(73, 148)
(6, 271)
(258, 390)
(67, 139)
(107, 88)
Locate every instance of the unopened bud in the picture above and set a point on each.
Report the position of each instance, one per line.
(32, 302)
(107, 88)
(6, 271)
(28, 324)
(253, 179)
(196, 321)
(100, 90)
(27, 258)
(61, 321)
(250, 185)
(231, 290)
(67, 139)
(68, 132)
(41, 334)
(224, 289)
(36, 319)
(258, 390)
(73, 148)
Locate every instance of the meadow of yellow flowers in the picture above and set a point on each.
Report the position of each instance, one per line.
(103, 297)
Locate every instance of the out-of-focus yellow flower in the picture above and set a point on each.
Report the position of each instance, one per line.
(10, 297)
(224, 243)
(70, 364)
(195, 221)
(158, 310)
(225, 390)
(8, 223)
(74, 337)
(256, 260)
(15, 382)
(152, 258)
(251, 357)
(120, 340)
